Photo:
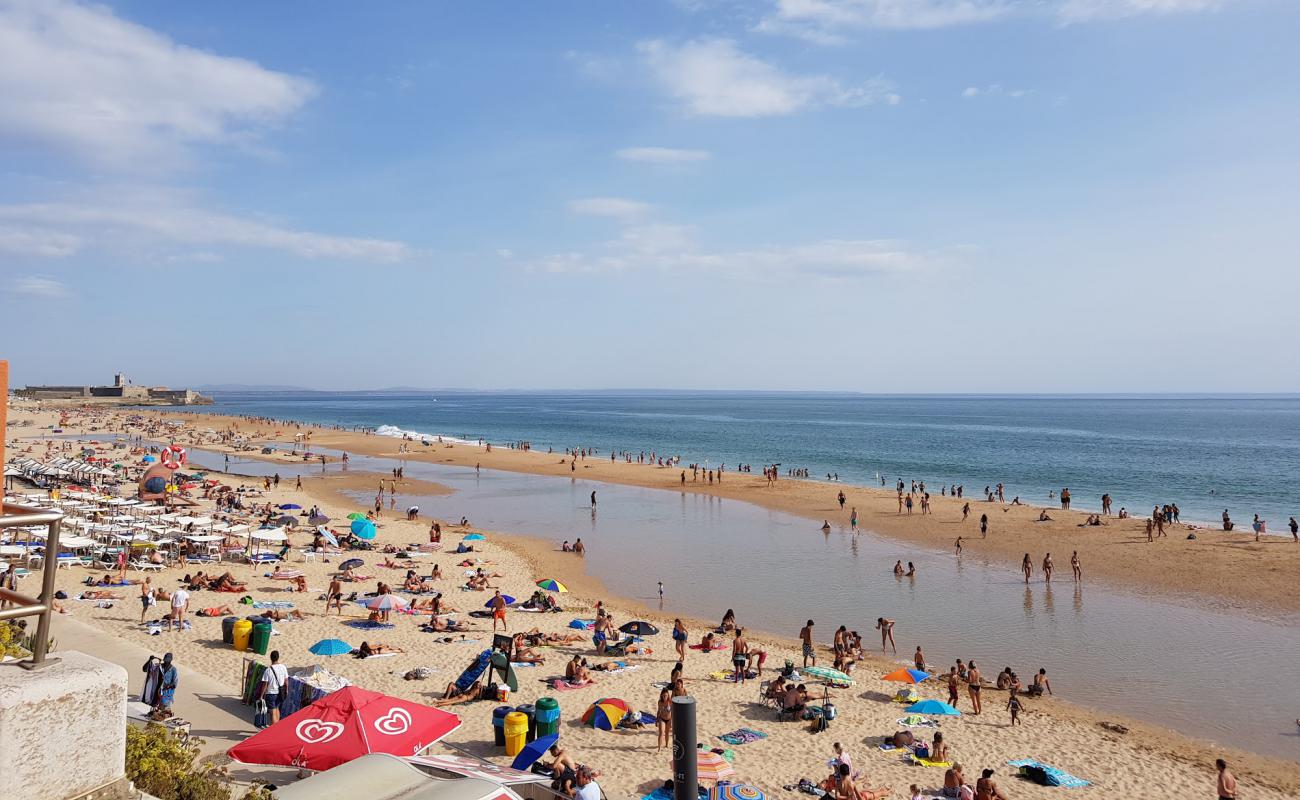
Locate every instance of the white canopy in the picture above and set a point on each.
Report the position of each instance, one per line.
(269, 535)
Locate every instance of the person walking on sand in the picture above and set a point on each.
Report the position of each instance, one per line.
(1075, 566)
(180, 604)
(499, 612)
(973, 687)
(984, 526)
(853, 520)
(965, 512)
(334, 596)
(680, 637)
(841, 498)
(664, 719)
(147, 597)
(1047, 568)
(1226, 784)
(952, 686)
(1027, 568)
(886, 628)
(805, 636)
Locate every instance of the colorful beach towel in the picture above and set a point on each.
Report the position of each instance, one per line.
(716, 646)
(367, 625)
(742, 736)
(1055, 776)
(272, 604)
(925, 762)
(561, 685)
(583, 624)
(667, 794)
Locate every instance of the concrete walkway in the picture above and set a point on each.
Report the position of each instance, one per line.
(212, 708)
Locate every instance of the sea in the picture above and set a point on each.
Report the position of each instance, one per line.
(1207, 454)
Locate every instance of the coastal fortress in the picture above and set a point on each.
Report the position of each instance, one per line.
(122, 392)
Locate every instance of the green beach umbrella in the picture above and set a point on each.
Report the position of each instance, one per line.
(356, 515)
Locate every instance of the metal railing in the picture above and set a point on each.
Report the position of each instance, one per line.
(14, 516)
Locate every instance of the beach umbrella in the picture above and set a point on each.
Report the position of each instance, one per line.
(327, 536)
(287, 520)
(475, 537)
(148, 459)
(317, 519)
(363, 529)
(906, 675)
(288, 506)
(509, 601)
(936, 707)
(552, 585)
(345, 725)
(828, 674)
(331, 647)
(533, 751)
(736, 791)
(351, 563)
(605, 713)
(639, 628)
(356, 515)
(711, 766)
(386, 602)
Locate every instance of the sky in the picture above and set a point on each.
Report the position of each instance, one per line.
(839, 195)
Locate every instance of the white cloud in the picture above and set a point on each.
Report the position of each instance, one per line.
(617, 207)
(117, 95)
(1086, 10)
(166, 219)
(33, 241)
(650, 245)
(994, 90)
(713, 77)
(38, 286)
(663, 155)
(828, 21)
(832, 21)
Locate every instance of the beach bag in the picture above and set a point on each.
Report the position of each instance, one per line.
(678, 635)
(828, 711)
(1036, 775)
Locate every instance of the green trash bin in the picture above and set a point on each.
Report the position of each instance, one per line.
(261, 640)
(547, 716)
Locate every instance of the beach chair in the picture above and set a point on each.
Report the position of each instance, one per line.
(763, 699)
(144, 566)
(784, 712)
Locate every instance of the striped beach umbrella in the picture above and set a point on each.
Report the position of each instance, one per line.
(906, 675)
(736, 791)
(552, 585)
(386, 602)
(605, 713)
(828, 674)
(712, 767)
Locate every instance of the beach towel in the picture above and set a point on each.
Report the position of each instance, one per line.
(379, 655)
(890, 747)
(561, 685)
(914, 721)
(716, 646)
(925, 762)
(367, 625)
(667, 794)
(272, 604)
(522, 664)
(1055, 777)
(742, 736)
(583, 624)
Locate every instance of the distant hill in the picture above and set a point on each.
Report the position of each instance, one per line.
(249, 387)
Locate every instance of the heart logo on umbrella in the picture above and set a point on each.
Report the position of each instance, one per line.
(315, 731)
(396, 721)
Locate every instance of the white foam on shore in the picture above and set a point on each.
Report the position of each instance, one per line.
(402, 433)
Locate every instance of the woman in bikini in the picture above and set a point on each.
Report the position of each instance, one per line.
(664, 719)
(886, 628)
(1027, 567)
(973, 686)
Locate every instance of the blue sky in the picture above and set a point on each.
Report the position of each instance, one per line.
(865, 195)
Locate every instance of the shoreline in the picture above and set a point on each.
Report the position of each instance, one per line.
(1227, 569)
(1273, 772)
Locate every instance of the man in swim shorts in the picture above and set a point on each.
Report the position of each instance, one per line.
(805, 635)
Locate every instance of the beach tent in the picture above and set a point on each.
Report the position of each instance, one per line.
(345, 725)
(387, 778)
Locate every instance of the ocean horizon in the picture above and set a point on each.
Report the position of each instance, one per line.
(1203, 452)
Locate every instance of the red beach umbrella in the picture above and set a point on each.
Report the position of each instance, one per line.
(345, 725)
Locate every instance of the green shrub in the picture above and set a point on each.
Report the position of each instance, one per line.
(162, 764)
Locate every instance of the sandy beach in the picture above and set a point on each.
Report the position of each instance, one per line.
(1146, 761)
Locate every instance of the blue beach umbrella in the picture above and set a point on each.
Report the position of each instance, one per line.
(475, 537)
(509, 601)
(327, 536)
(331, 647)
(935, 707)
(148, 459)
(288, 506)
(363, 528)
(534, 750)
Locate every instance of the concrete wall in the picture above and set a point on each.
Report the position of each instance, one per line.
(62, 728)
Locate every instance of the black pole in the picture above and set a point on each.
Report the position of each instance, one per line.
(685, 758)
